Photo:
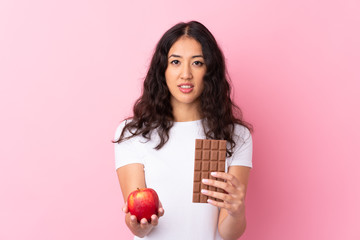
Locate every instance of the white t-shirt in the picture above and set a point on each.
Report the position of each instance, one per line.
(170, 171)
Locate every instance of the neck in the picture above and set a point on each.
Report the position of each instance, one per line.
(186, 113)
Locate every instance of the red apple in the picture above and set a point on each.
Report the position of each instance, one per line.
(143, 203)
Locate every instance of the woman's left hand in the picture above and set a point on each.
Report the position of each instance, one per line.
(233, 198)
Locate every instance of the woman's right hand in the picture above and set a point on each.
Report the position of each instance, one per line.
(144, 227)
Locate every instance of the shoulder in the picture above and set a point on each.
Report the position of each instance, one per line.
(242, 152)
(242, 134)
(120, 128)
(129, 133)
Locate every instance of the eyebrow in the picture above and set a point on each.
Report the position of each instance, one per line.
(195, 56)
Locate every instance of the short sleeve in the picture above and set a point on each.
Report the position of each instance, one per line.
(128, 151)
(242, 155)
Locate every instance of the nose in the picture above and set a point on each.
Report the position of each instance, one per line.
(186, 72)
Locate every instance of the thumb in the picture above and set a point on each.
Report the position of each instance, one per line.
(125, 208)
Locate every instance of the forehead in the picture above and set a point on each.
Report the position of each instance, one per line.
(186, 46)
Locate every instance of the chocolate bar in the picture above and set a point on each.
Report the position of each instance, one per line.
(210, 157)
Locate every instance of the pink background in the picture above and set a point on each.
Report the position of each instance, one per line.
(71, 70)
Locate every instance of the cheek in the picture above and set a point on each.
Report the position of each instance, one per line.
(166, 73)
(201, 82)
(170, 77)
(167, 77)
(201, 88)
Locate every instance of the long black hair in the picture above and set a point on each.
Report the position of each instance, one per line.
(153, 109)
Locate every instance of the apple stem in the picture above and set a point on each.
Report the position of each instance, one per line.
(138, 189)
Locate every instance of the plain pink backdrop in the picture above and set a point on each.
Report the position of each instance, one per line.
(70, 71)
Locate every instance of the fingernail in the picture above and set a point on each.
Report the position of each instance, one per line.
(213, 173)
(205, 180)
(203, 191)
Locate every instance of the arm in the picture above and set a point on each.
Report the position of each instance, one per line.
(131, 177)
(232, 221)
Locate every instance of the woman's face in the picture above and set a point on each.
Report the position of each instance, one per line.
(185, 72)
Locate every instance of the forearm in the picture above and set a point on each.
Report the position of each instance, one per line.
(137, 231)
(232, 227)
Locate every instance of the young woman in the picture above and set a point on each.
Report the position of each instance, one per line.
(186, 96)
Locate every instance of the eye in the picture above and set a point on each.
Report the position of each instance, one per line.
(198, 63)
(175, 62)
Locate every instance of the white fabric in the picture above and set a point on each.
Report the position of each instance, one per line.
(169, 171)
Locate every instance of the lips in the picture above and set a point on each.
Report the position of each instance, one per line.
(186, 87)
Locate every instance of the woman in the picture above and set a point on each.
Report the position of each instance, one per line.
(186, 96)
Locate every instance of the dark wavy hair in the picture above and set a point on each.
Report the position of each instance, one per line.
(153, 109)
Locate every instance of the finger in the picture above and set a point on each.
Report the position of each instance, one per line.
(133, 221)
(226, 176)
(161, 212)
(144, 223)
(125, 208)
(230, 208)
(225, 197)
(219, 184)
(219, 204)
(154, 220)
